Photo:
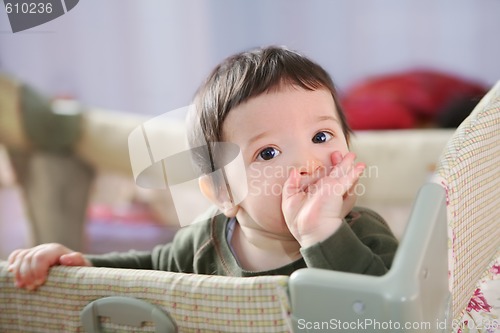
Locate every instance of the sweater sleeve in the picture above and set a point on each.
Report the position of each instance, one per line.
(130, 259)
(363, 244)
(172, 257)
(176, 256)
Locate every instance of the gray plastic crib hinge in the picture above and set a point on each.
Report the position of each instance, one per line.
(125, 311)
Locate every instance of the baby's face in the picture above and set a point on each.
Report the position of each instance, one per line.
(276, 132)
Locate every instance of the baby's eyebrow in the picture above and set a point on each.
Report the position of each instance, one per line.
(325, 118)
(257, 137)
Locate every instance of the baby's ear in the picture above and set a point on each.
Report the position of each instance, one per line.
(220, 197)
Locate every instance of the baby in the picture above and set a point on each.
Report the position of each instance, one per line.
(282, 111)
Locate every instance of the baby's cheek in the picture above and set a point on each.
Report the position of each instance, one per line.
(266, 182)
(344, 152)
(258, 186)
(263, 202)
(342, 147)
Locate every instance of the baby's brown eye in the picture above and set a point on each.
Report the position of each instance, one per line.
(321, 137)
(268, 153)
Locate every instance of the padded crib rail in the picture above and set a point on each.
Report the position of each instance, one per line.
(196, 303)
(469, 170)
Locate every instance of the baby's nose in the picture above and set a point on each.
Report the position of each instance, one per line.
(311, 167)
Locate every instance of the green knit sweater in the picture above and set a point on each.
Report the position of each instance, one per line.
(363, 244)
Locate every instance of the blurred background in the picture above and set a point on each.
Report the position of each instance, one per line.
(144, 58)
(150, 56)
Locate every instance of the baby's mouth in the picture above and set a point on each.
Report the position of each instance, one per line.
(311, 186)
(307, 188)
(309, 183)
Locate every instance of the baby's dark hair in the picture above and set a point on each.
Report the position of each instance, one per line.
(243, 76)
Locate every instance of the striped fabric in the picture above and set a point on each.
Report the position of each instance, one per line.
(198, 303)
(469, 169)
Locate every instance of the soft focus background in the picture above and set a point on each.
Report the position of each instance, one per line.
(149, 57)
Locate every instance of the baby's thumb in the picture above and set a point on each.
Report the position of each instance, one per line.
(73, 259)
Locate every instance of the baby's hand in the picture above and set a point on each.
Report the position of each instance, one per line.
(315, 212)
(31, 266)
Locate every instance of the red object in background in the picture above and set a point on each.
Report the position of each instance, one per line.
(405, 100)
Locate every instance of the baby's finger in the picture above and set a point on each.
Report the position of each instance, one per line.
(346, 167)
(39, 268)
(347, 162)
(13, 255)
(351, 190)
(360, 168)
(292, 196)
(354, 173)
(336, 158)
(14, 267)
(292, 185)
(346, 181)
(14, 260)
(25, 277)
